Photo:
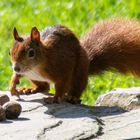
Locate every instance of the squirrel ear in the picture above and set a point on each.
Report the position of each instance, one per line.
(35, 35)
(16, 36)
(15, 33)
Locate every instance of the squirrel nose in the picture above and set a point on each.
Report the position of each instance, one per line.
(17, 69)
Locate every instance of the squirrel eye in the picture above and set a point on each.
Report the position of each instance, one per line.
(31, 53)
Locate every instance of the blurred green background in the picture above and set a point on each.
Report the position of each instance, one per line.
(79, 16)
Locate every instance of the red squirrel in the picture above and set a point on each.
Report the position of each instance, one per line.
(60, 57)
(54, 56)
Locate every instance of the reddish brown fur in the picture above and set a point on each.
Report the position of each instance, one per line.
(114, 44)
(59, 58)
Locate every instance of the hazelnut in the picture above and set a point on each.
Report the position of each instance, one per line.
(12, 109)
(3, 99)
(2, 114)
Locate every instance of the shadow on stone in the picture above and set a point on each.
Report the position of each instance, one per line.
(133, 139)
(6, 122)
(67, 110)
(21, 119)
(33, 100)
(102, 111)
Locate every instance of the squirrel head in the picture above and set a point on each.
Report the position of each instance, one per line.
(25, 51)
(34, 51)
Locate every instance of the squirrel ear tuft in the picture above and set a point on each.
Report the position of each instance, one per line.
(35, 35)
(16, 36)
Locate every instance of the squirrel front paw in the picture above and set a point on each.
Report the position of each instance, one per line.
(23, 91)
(26, 91)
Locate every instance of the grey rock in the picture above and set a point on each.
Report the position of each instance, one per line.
(48, 122)
(127, 98)
(124, 126)
(120, 113)
(3, 99)
(104, 121)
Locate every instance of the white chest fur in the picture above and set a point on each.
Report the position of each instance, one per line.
(34, 75)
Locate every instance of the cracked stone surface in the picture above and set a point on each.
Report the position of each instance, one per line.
(49, 122)
(107, 120)
(125, 126)
(124, 121)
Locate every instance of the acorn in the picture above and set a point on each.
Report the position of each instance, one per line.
(12, 109)
(3, 99)
(2, 114)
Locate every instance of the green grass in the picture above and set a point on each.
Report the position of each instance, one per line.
(79, 16)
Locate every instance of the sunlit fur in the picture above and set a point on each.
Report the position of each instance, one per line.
(59, 58)
(114, 44)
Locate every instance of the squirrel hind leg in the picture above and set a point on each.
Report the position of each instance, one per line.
(79, 78)
(75, 91)
(78, 84)
(61, 87)
(41, 86)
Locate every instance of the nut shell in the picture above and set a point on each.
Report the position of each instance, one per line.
(2, 114)
(3, 99)
(12, 109)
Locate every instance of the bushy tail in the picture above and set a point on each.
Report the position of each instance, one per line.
(113, 44)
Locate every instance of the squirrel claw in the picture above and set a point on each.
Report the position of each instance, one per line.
(26, 91)
(73, 100)
(50, 100)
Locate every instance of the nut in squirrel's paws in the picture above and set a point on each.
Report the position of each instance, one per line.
(26, 91)
(52, 99)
